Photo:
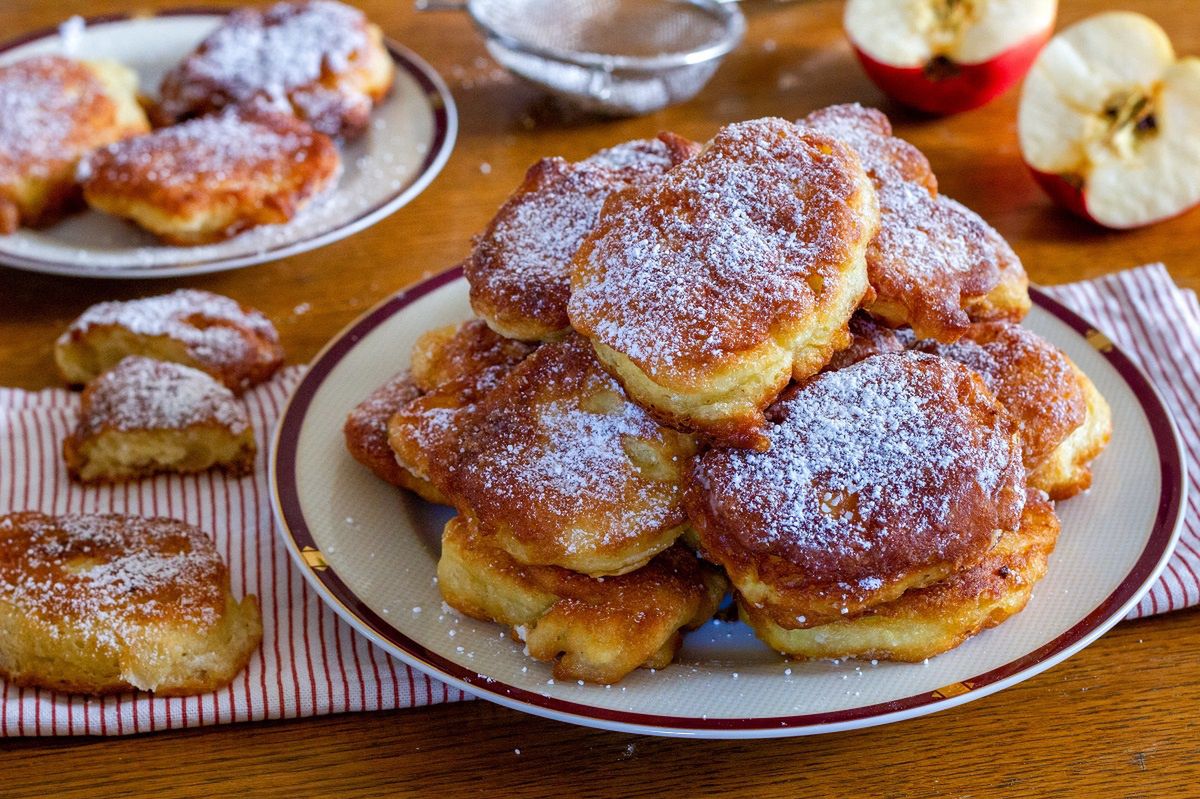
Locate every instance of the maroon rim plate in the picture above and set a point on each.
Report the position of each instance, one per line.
(1163, 506)
(73, 254)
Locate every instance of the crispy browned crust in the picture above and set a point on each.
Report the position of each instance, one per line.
(756, 520)
(1031, 377)
(592, 629)
(162, 182)
(80, 106)
(562, 469)
(705, 292)
(452, 369)
(1067, 470)
(928, 621)
(75, 622)
(234, 343)
(366, 432)
(123, 432)
(867, 337)
(934, 264)
(519, 269)
(337, 102)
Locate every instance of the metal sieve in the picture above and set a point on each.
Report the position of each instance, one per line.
(619, 57)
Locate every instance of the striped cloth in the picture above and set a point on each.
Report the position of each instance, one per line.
(1157, 324)
(312, 663)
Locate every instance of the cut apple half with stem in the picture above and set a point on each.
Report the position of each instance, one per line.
(946, 56)
(1109, 122)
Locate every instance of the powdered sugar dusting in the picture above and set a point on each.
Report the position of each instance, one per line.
(109, 577)
(931, 253)
(521, 263)
(706, 261)
(145, 394)
(42, 103)
(1032, 379)
(875, 469)
(207, 323)
(204, 153)
(547, 451)
(268, 53)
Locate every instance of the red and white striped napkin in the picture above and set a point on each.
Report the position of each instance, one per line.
(312, 663)
(1157, 324)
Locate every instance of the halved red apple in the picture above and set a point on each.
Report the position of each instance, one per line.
(946, 56)
(1109, 122)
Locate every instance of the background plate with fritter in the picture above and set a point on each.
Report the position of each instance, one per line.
(411, 135)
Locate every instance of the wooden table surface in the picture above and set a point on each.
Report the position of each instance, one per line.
(1119, 719)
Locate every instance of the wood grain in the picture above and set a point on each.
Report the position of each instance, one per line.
(1116, 720)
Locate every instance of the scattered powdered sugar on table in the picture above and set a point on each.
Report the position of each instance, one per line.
(146, 394)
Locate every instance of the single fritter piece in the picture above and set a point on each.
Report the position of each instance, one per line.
(322, 61)
(452, 368)
(211, 178)
(934, 264)
(53, 110)
(235, 344)
(145, 417)
(560, 468)
(706, 291)
(1045, 392)
(886, 476)
(593, 629)
(520, 268)
(105, 604)
(927, 621)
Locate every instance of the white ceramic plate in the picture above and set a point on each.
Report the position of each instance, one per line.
(371, 550)
(410, 138)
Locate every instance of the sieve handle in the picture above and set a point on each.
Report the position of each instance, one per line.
(440, 5)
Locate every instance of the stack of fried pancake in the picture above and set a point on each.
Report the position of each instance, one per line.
(780, 361)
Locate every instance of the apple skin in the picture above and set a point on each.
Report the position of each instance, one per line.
(973, 85)
(1063, 193)
(1074, 200)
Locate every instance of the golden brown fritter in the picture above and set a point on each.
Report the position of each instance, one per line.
(925, 622)
(54, 110)
(234, 343)
(882, 477)
(214, 177)
(562, 469)
(935, 265)
(416, 420)
(105, 604)
(705, 292)
(146, 417)
(519, 269)
(322, 61)
(593, 629)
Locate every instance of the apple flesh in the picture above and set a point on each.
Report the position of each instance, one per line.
(1109, 122)
(947, 56)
